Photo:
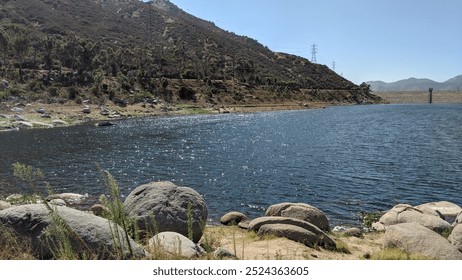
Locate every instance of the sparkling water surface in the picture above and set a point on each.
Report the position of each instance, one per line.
(343, 160)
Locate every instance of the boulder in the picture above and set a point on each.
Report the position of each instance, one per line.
(232, 218)
(291, 232)
(58, 202)
(300, 211)
(404, 213)
(355, 232)
(448, 210)
(59, 122)
(89, 235)
(70, 198)
(222, 253)
(417, 239)
(324, 239)
(175, 244)
(163, 206)
(4, 205)
(456, 237)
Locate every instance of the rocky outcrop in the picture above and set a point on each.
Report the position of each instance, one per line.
(456, 237)
(404, 213)
(417, 239)
(163, 206)
(89, 235)
(322, 239)
(300, 211)
(175, 245)
(447, 210)
(232, 218)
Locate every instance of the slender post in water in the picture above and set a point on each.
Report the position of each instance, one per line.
(430, 90)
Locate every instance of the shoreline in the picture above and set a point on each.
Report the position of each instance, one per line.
(18, 116)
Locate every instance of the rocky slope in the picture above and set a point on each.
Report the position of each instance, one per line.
(130, 51)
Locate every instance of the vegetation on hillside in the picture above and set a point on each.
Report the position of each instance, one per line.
(129, 51)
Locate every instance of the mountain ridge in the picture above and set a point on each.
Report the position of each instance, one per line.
(117, 48)
(414, 84)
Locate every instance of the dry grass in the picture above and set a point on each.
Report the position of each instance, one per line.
(421, 96)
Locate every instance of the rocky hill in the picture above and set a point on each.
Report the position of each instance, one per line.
(129, 50)
(413, 84)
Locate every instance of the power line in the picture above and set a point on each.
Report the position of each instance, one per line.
(314, 51)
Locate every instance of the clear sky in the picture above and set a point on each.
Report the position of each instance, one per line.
(369, 40)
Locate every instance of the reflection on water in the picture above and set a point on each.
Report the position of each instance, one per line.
(343, 160)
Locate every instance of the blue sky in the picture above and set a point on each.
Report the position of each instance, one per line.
(369, 40)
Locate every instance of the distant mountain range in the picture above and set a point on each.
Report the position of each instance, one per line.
(413, 84)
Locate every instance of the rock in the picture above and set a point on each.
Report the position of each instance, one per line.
(86, 110)
(355, 232)
(291, 232)
(17, 110)
(4, 205)
(404, 213)
(163, 206)
(324, 239)
(59, 122)
(378, 226)
(176, 245)
(244, 224)
(448, 210)
(41, 111)
(91, 236)
(300, 211)
(57, 202)
(456, 237)
(70, 198)
(105, 123)
(19, 118)
(232, 218)
(222, 253)
(417, 239)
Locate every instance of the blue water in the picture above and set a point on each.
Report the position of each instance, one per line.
(343, 160)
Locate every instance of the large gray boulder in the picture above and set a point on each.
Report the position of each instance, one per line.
(404, 213)
(291, 232)
(232, 218)
(456, 237)
(89, 235)
(323, 239)
(417, 239)
(448, 210)
(175, 245)
(163, 206)
(300, 211)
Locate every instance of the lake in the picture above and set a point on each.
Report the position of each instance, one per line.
(342, 160)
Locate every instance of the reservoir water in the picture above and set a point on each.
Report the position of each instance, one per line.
(343, 160)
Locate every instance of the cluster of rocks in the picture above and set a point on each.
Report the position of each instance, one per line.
(432, 229)
(162, 211)
(299, 222)
(172, 219)
(16, 121)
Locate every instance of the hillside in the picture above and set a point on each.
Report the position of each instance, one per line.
(128, 51)
(413, 84)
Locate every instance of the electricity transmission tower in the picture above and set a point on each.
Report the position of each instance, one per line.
(314, 51)
(333, 66)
